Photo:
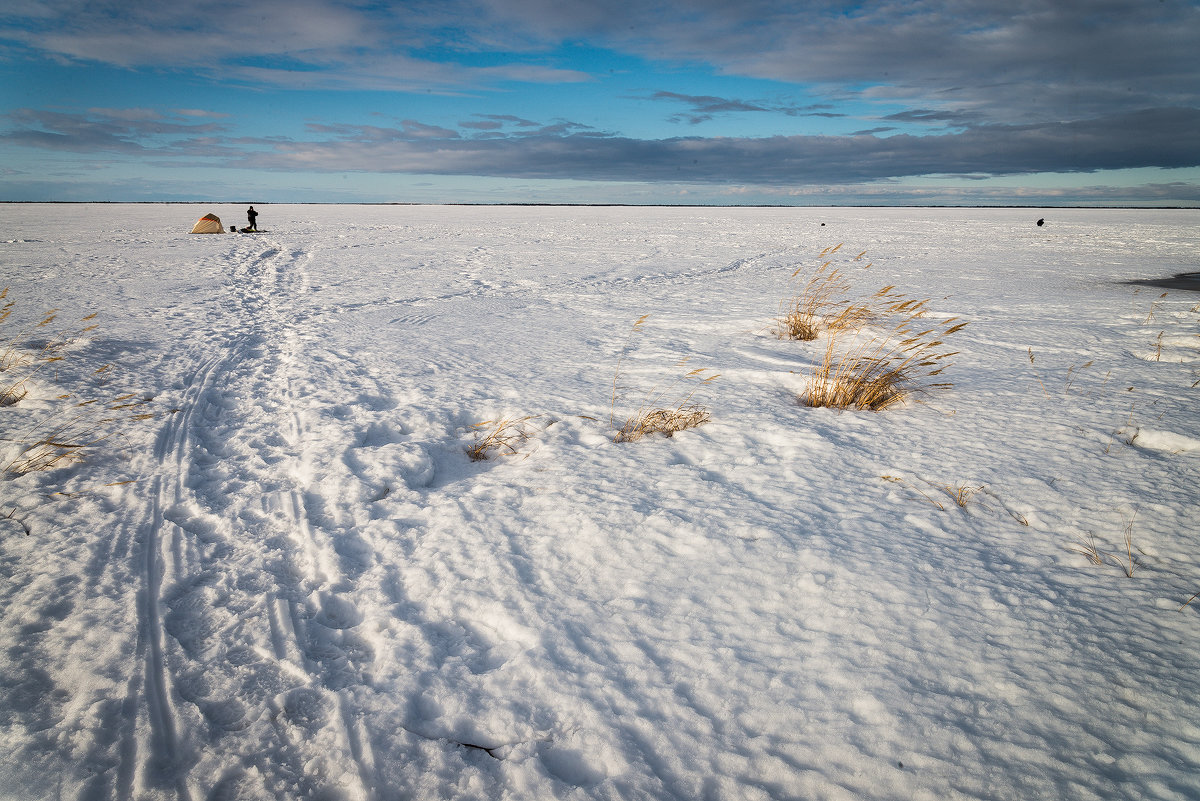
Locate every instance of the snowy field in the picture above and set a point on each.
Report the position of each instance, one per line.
(293, 583)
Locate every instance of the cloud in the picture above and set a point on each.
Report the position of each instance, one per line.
(497, 122)
(311, 44)
(996, 89)
(932, 116)
(705, 107)
(1015, 62)
(99, 130)
(568, 150)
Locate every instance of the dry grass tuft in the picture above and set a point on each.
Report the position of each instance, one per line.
(662, 421)
(1128, 563)
(69, 436)
(875, 373)
(666, 408)
(826, 302)
(882, 371)
(816, 306)
(502, 437)
(1088, 548)
(961, 492)
(31, 348)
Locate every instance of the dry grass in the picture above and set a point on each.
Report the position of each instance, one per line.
(81, 424)
(1128, 563)
(882, 371)
(666, 408)
(1074, 372)
(876, 372)
(961, 492)
(69, 436)
(825, 301)
(898, 480)
(1154, 308)
(818, 305)
(1045, 391)
(1088, 548)
(667, 422)
(29, 349)
(501, 437)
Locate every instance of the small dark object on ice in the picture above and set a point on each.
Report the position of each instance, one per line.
(1041, 222)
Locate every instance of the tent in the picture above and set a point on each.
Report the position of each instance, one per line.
(208, 224)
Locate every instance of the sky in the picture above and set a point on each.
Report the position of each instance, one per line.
(940, 102)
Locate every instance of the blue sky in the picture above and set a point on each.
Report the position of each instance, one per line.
(1090, 102)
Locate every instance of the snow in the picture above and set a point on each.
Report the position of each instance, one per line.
(298, 585)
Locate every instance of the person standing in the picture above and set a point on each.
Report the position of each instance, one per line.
(252, 216)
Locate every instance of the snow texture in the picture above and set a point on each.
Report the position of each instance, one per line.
(293, 583)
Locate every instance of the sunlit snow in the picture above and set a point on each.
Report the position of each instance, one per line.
(292, 582)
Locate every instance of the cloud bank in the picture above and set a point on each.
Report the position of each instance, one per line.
(515, 147)
(970, 88)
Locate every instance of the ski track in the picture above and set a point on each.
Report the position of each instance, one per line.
(210, 653)
(208, 656)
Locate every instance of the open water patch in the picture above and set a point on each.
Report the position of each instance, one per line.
(1187, 281)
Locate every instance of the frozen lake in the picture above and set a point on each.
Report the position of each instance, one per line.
(291, 581)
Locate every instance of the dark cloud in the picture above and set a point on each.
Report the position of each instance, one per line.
(572, 151)
(703, 108)
(310, 44)
(569, 150)
(932, 116)
(1019, 62)
(497, 122)
(876, 130)
(1015, 62)
(128, 131)
(409, 130)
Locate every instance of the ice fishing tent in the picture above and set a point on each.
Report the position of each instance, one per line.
(208, 224)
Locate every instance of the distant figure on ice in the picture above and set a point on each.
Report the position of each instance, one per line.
(1041, 222)
(252, 216)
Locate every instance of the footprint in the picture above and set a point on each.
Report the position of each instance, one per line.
(582, 759)
(228, 715)
(377, 434)
(385, 465)
(197, 623)
(305, 708)
(338, 613)
(356, 554)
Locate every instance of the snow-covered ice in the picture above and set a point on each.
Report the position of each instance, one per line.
(298, 585)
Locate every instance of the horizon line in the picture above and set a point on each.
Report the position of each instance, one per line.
(612, 205)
